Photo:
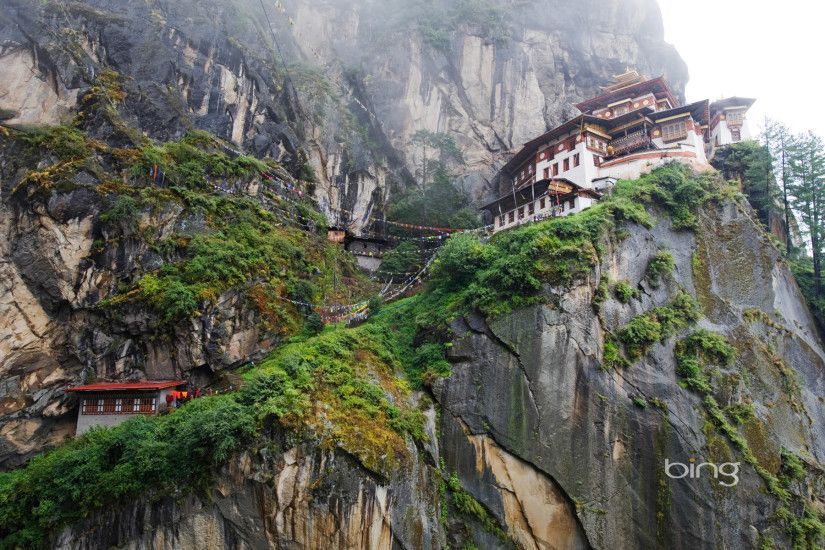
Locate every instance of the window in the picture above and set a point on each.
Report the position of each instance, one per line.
(572, 204)
(575, 160)
(114, 404)
(566, 164)
(531, 209)
(734, 118)
(541, 203)
(511, 216)
(547, 173)
(735, 134)
(674, 130)
(596, 160)
(521, 213)
(571, 143)
(500, 220)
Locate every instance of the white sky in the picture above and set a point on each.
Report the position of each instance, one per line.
(754, 48)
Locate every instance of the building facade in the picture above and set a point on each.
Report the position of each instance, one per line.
(635, 125)
(109, 404)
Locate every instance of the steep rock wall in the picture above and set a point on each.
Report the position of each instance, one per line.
(530, 382)
(296, 497)
(359, 81)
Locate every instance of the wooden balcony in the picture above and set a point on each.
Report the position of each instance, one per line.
(629, 143)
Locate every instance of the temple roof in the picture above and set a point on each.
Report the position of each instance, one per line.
(699, 111)
(121, 386)
(620, 81)
(657, 86)
(729, 102)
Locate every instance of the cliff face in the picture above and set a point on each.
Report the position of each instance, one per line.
(298, 497)
(543, 445)
(359, 78)
(548, 443)
(600, 438)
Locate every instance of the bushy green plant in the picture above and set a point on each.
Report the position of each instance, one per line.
(659, 267)
(112, 465)
(625, 292)
(699, 349)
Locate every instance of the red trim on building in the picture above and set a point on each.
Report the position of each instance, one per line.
(648, 155)
(120, 386)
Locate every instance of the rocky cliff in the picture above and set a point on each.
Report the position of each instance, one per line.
(666, 334)
(343, 86)
(600, 437)
(566, 360)
(335, 98)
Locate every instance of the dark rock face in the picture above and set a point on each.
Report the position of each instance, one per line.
(298, 497)
(361, 78)
(530, 383)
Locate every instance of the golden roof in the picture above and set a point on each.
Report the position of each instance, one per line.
(628, 78)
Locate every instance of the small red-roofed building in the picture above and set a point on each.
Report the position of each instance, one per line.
(110, 403)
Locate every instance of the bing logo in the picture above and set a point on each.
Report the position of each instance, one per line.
(729, 471)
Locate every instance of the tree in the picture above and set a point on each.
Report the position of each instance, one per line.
(806, 190)
(404, 258)
(750, 164)
(437, 150)
(779, 141)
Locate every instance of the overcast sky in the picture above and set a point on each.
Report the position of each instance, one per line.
(754, 48)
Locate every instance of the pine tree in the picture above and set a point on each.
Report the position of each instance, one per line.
(779, 141)
(806, 191)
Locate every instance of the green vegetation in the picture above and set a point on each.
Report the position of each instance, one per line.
(660, 267)
(404, 258)
(324, 384)
(340, 386)
(437, 200)
(242, 242)
(337, 385)
(105, 466)
(657, 325)
(695, 352)
(602, 293)
(469, 506)
(625, 292)
(748, 163)
(439, 21)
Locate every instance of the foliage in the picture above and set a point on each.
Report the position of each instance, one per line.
(792, 468)
(657, 325)
(749, 164)
(438, 21)
(326, 383)
(196, 161)
(404, 258)
(601, 293)
(469, 506)
(803, 271)
(439, 203)
(659, 267)
(124, 212)
(625, 292)
(698, 350)
(114, 465)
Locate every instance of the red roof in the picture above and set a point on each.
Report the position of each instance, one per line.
(120, 386)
